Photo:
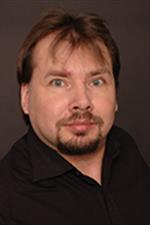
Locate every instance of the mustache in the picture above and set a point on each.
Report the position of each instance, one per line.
(87, 116)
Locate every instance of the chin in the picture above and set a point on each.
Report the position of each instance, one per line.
(79, 145)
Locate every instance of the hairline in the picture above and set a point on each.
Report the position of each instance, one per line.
(103, 55)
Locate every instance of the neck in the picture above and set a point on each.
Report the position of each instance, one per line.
(88, 164)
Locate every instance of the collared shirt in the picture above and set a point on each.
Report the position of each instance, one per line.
(39, 187)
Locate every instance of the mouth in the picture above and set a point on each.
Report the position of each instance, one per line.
(80, 126)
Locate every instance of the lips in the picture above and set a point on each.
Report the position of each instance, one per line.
(80, 126)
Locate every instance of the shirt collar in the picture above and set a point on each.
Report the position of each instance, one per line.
(113, 143)
(47, 163)
(112, 151)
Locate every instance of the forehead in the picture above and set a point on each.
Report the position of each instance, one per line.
(60, 53)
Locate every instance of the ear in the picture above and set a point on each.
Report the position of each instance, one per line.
(24, 98)
(116, 107)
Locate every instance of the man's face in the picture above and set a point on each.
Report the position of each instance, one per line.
(71, 101)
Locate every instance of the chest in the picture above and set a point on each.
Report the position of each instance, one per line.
(76, 202)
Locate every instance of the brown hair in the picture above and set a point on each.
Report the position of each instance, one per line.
(84, 29)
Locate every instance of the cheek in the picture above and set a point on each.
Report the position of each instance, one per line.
(106, 105)
(106, 109)
(45, 107)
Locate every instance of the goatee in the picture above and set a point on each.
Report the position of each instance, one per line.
(77, 144)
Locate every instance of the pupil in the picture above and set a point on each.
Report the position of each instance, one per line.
(58, 82)
(96, 82)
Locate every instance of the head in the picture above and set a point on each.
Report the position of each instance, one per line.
(68, 69)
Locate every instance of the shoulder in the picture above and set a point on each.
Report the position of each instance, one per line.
(13, 167)
(5, 187)
(17, 159)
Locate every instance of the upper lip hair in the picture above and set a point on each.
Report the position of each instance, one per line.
(80, 122)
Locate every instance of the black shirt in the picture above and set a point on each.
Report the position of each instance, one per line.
(39, 187)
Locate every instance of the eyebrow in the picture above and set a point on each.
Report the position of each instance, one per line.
(59, 73)
(100, 71)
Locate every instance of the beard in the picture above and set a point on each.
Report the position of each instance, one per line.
(72, 148)
(79, 142)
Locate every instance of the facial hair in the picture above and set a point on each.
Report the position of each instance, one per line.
(75, 146)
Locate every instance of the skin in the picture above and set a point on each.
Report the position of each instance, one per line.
(76, 84)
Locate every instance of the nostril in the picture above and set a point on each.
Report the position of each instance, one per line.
(88, 107)
(77, 108)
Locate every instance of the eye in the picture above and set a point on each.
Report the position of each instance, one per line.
(97, 82)
(57, 83)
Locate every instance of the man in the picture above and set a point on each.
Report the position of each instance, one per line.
(73, 167)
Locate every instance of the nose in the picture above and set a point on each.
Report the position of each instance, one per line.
(81, 101)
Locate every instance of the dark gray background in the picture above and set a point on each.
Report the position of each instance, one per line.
(129, 22)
